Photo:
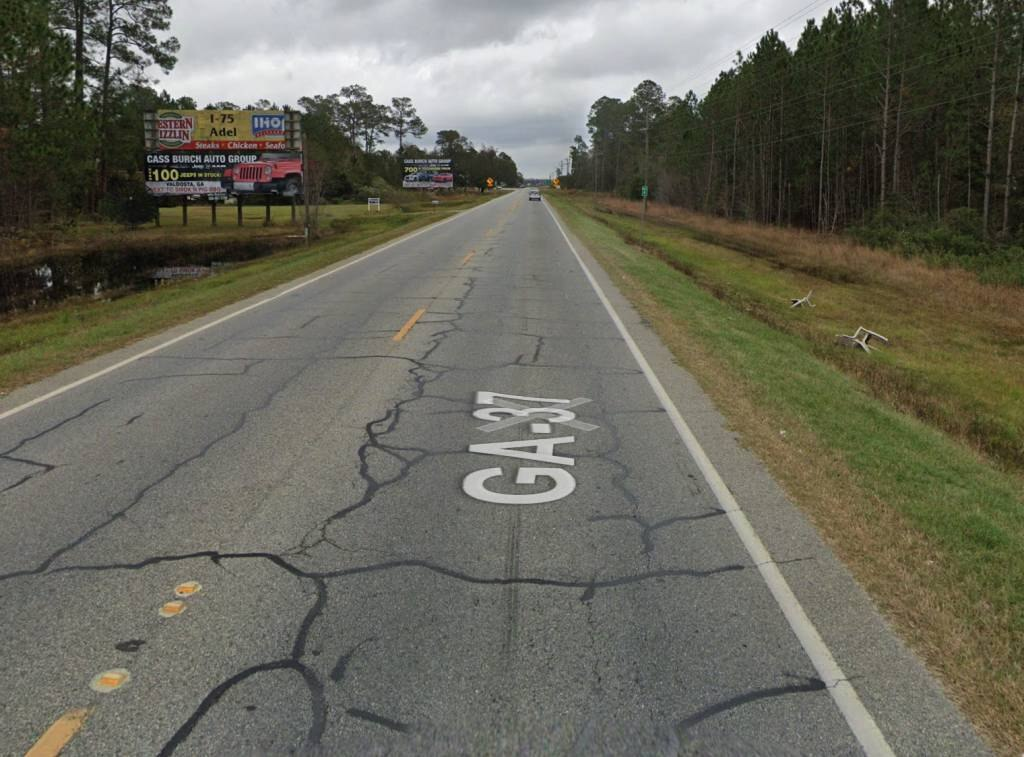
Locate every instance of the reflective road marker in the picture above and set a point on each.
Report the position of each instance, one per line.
(170, 609)
(110, 680)
(187, 589)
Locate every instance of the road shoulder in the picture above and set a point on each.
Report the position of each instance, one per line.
(906, 701)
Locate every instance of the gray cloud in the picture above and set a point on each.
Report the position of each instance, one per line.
(520, 75)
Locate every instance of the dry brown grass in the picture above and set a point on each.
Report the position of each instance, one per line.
(956, 292)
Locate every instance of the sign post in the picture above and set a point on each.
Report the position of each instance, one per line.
(643, 214)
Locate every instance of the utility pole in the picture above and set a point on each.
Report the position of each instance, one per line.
(643, 212)
(294, 125)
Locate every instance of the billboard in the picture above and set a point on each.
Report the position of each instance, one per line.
(428, 173)
(223, 130)
(197, 172)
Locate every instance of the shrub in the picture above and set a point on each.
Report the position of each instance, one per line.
(128, 203)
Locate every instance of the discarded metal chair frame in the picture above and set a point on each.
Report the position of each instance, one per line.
(802, 301)
(860, 338)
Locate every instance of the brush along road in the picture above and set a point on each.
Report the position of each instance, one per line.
(451, 495)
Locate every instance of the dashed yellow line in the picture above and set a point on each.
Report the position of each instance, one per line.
(470, 255)
(408, 325)
(59, 734)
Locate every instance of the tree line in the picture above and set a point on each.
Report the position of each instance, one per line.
(74, 88)
(890, 112)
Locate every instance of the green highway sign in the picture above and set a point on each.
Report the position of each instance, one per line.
(643, 191)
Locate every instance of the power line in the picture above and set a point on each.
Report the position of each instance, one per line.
(846, 84)
(835, 88)
(817, 132)
(715, 64)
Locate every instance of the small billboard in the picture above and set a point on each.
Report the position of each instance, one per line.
(428, 173)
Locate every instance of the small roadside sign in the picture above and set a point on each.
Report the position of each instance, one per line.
(643, 191)
(490, 183)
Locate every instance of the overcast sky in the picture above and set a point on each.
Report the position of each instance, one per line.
(518, 74)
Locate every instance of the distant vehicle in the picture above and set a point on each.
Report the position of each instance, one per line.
(535, 194)
(278, 173)
(443, 178)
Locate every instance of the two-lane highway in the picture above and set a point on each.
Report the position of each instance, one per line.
(436, 501)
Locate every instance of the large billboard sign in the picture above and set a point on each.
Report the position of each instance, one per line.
(238, 172)
(428, 173)
(222, 130)
(204, 152)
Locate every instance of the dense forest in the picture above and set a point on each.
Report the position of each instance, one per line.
(888, 115)
(74, 88)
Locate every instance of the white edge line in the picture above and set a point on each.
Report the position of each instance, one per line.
(861, 723)
(234, 314)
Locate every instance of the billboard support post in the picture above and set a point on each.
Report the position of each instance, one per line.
(266, 215)
(293, 210)
(184, 210)
(213, 212)
(305, 191)
(240, 200)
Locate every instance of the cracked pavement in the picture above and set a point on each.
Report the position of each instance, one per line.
(306, 469)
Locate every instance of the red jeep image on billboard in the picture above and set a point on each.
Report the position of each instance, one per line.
(278, 173)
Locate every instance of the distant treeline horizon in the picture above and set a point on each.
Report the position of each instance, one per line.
(898, 113)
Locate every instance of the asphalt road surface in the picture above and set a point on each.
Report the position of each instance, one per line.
(433, 501)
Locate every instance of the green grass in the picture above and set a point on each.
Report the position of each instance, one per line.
(957, 355)
(36, 344)
(968, 513)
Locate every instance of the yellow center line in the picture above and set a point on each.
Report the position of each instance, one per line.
(466, 259)
(408, 325)
(59, 734)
